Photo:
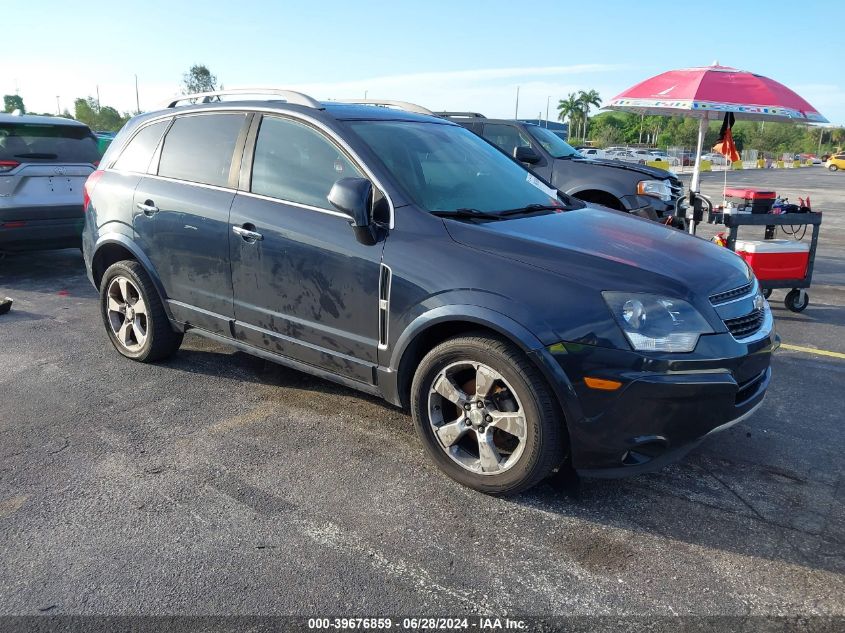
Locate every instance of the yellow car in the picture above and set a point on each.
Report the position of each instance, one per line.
(836, 162)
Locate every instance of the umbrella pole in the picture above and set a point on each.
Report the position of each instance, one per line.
(695, 185)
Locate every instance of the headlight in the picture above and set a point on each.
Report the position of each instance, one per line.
(655, 188)
(657, 324)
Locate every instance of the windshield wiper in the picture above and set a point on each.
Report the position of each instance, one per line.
(466, 212)
(531, 208)
(470, 213)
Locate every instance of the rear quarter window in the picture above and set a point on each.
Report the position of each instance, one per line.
(47, 143)
(138, 152)
(199, 148)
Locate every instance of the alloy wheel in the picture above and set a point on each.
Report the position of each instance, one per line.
(477, 417)
(127, 313)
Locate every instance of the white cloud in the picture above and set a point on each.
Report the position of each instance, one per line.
(491, 91)
(488, 90)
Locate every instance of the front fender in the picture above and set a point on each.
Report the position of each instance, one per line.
(389, 377)
(482, 316)
(595, 186)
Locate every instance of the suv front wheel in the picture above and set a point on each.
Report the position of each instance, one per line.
(486, 415)
(133, 314)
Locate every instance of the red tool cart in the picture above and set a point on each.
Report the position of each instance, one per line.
(778, 263)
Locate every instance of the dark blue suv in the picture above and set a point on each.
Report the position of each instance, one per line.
(402, 255)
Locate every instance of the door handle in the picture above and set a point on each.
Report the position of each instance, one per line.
(147, 207)
(246, 234)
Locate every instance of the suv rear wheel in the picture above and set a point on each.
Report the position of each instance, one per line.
(133, 314)
(486, 416)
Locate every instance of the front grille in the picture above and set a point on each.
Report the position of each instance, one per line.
(746, 325)
(677, 188)
(724, 297)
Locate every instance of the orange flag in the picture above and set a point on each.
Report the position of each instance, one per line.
(725, 145)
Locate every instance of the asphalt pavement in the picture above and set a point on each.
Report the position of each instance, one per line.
(218, 483)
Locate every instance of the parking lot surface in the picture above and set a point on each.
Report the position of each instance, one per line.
(219, 483)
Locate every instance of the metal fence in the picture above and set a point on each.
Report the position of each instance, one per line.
(681, 159)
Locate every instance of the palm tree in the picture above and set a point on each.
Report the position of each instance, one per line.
(569, 108)
(585, 100)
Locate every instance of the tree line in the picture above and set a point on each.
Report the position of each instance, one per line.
(602, 130)
(105, 118)
(85, 109)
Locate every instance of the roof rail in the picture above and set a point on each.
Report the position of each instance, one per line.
(402, 105)
(290, 96)
(461, 115)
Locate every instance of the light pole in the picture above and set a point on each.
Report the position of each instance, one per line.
(58, 107)
(137, 101)
(516, 107)
(548, 99)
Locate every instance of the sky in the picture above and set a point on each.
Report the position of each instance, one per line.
(455, 55)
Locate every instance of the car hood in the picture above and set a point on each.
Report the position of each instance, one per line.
(654, 172)
(608, 250)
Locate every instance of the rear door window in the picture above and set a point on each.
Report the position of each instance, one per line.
(472, 127)
(296, 163)
(47, 143)
(506, 137)
(137, 154)
(199, 148)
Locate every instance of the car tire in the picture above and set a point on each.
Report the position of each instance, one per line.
(508, 444)
(133, 314)
(833, 168)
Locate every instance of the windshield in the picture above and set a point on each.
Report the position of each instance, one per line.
(552, 143)
(446, 167)
(27, 142)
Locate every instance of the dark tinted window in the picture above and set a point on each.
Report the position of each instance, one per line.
(551, 142)
(46, 143)
(297, 163)
(137, 154)
(473, 127)
(506, 137)
(199, 148)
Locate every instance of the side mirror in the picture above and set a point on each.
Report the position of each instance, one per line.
(354, 197)
(525, 154)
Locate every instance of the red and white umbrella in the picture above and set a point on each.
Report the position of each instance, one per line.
(708, 93)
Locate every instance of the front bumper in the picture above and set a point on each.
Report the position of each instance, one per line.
(667, 403)
(649, 207)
